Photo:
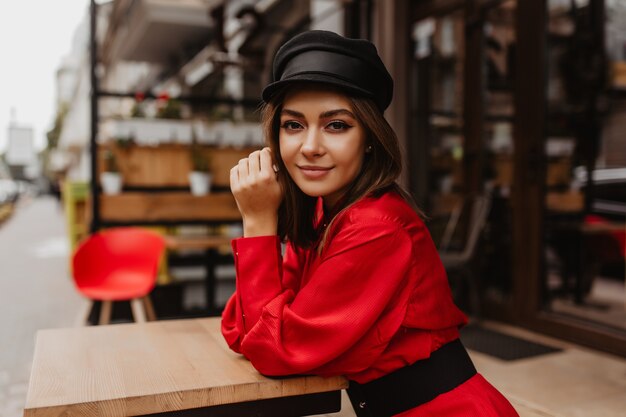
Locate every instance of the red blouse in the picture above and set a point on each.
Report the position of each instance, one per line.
(375, 300)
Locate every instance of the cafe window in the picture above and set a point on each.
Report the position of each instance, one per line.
(586, 162)
(462, 111)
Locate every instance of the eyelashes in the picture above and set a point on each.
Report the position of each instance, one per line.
(291, 125)
(334, 126)
(338, 126)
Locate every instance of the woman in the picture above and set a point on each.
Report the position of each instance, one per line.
(360, 290)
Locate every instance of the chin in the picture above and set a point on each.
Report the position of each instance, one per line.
(312, 193)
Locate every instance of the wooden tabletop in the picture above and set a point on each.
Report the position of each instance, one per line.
(602, 228)
(143, 368)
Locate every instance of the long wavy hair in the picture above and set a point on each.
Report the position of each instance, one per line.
(297, 216)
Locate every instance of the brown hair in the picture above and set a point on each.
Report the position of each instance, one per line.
(381, 167)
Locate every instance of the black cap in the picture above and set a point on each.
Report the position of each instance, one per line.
(324, 57)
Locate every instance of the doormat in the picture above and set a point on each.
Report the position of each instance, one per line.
(500, 345)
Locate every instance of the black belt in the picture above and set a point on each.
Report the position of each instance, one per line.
(411, 386)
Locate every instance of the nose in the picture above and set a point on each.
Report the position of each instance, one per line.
(312, 144)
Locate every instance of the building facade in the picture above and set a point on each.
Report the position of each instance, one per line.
(520, 103)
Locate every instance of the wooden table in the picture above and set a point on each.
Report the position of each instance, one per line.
(180, 367)
(577, 233)
(604, 228)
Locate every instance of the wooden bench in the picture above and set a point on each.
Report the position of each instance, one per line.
(177, 368)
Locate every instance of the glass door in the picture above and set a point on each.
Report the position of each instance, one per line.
(531, 116)
(585, 151)
(462, 108)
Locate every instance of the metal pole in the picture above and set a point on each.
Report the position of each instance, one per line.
(473, 99)
(252, 103)
(93, 145)
(595, 89)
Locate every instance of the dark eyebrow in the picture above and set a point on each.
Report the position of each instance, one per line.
(338, 112)
(325, 115)
(291, 113)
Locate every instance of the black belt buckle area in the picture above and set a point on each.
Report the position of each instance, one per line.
(414, 385)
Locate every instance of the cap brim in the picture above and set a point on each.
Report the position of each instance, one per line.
(272, 89)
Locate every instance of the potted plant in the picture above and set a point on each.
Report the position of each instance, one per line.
(168, 108)
(200, 176)
(138, 110)
(111, 179)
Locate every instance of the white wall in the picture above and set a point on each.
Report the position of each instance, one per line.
(327, 15)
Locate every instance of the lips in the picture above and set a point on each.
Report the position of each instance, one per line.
(314, 172)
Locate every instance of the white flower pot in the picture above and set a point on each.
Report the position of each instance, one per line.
(200, 182)
(111, 182)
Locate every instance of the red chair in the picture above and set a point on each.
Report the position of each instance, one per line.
(119, 264)
(617, 238)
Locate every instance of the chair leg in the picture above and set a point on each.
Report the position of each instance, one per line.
(105, 312)
(138, 313)
(82, 319)
(149, 308)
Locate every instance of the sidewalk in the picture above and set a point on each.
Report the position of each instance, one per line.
(575, 382)
(36, 292)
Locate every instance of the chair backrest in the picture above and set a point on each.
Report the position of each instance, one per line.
(128, 248)
(479, 206)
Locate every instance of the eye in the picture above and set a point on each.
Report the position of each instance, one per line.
(338, 126)
(291, 125)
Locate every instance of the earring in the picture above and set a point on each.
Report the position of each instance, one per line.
(368, 149)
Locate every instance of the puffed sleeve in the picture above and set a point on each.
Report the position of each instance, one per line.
(342, 317)
(255, 251)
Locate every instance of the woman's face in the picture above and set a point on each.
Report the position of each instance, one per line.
(322, 144)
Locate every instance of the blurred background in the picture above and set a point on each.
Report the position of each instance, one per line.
(511, 115)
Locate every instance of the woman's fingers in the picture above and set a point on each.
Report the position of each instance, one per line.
(274, 164)
(256, 190)
(266, 162)
(254, 164)
(242, 167)
(257, 167)
(234, 178)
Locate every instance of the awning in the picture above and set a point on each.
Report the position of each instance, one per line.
(158, 31)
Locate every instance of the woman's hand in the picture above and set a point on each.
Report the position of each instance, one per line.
(257, 192)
